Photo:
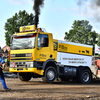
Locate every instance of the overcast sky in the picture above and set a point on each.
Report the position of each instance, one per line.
(57, 16)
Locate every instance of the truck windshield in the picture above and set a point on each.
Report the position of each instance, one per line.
(23, 42)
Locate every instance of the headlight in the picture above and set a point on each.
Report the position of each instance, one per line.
(13, 55)
(29, 64)
(28, 55)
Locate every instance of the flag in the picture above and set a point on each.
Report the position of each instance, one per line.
(97, 49)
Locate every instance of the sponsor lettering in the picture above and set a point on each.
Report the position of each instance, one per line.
(25, 28)
(75, 60)
(42, 56)
(62, 47)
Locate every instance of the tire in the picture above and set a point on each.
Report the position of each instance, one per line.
(85, 76)
(49, 75)
(24, 76)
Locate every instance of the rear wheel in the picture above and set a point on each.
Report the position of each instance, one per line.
(49, 75)
(86, 76)
(24, 76)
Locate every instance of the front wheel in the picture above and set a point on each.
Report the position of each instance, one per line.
(24, 76)
(86, 76)
(49, 75)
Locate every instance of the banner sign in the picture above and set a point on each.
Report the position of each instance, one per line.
(97, 49)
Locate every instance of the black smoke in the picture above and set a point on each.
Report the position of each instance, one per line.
(97, 2)
(81, 2)
(91, 9)
(36, 7)
(93, 2)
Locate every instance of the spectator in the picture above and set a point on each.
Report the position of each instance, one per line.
(2, 66)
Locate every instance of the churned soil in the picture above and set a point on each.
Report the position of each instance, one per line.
(36, 89)
(6, 69)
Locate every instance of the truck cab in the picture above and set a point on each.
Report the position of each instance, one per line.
(29, 50)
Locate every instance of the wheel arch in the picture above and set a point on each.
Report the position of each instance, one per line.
(81, 68)
(50, 62)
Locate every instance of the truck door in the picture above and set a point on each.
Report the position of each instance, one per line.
(42, 49)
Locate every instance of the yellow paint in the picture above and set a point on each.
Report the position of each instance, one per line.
(33, 70)
(70, 48)
(21, 51)
(43, 53)
(20, 60)
(19, 57)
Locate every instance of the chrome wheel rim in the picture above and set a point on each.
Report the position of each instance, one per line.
(50, 74)
(86, 77)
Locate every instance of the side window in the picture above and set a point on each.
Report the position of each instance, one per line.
(40, 36)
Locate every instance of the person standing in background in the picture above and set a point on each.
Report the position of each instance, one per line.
(2, 66)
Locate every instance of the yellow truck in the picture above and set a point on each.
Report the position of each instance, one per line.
(34, 53)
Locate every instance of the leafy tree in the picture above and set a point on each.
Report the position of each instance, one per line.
(98, 43)
(81, 32)
(13, 24)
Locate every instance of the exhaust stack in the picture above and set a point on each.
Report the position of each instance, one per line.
(36, 8)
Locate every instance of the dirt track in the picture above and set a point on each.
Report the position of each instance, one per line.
(35, 89)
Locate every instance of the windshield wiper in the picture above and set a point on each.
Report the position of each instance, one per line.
(16, 48)
(29, 47)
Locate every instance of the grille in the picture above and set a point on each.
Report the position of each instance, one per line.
(24, 56)
(20, 55)
(22, 59)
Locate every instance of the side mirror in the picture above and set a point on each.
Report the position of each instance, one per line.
(44, 42)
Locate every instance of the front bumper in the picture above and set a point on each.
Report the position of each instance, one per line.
(32, 70)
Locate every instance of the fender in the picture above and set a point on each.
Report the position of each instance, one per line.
(49, 60)
(81, 68)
